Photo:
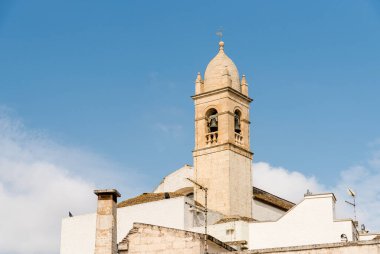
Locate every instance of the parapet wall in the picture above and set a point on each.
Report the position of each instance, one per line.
(361, 247)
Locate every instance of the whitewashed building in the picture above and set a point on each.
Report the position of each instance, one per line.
(240, 217)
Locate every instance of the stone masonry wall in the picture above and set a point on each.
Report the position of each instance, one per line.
(151, 239)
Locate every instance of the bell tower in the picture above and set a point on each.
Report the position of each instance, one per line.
(222, 156)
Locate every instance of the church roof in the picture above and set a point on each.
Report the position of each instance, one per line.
(216, 70)
(258, 194)
(234, 218)
(148, 197)
(271, 199)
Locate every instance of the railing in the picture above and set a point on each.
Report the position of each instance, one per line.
(238, 139)
(212, 138)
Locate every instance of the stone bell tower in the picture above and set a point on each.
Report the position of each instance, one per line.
(222, 156)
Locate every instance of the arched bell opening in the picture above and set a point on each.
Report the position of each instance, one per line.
(237, 116)
(212, 120)
(211, 126)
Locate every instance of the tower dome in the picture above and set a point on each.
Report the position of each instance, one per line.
(221, 72)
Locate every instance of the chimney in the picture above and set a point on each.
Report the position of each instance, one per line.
(106, 221)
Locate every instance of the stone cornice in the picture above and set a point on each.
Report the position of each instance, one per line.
(222, 147)
(221, 90)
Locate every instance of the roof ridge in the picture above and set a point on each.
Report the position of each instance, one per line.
(271, 199)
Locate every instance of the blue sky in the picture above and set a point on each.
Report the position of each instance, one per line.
(97, 94)
(115, 78)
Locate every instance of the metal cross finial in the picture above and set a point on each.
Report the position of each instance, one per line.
(219, 33)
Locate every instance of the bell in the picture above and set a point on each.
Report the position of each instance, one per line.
(213, 123)
(237, 125)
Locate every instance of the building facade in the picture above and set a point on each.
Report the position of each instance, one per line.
(240, 217)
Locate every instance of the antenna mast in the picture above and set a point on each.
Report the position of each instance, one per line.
(353, 204)
(201, 187)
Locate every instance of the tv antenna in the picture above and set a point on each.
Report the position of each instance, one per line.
(353, 204)
(201, 187)
(219, 33)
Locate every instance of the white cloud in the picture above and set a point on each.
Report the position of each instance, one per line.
(291, 185)
(363, 179)
(40, 181)
(34, 198)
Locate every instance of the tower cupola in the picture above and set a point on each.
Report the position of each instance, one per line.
(219, 66)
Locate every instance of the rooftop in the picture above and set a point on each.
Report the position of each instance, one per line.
(271, 199)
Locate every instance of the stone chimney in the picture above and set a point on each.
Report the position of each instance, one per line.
(106, 221)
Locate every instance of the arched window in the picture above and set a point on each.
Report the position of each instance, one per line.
(212, 120)
(237, 121)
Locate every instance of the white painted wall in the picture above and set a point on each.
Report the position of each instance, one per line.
(176, 180)
(368, 237)
(167, 212)
(265, 212)
(227, 232)
(78, 233)
(310, 222)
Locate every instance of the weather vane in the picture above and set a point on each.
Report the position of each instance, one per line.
(219, 33)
